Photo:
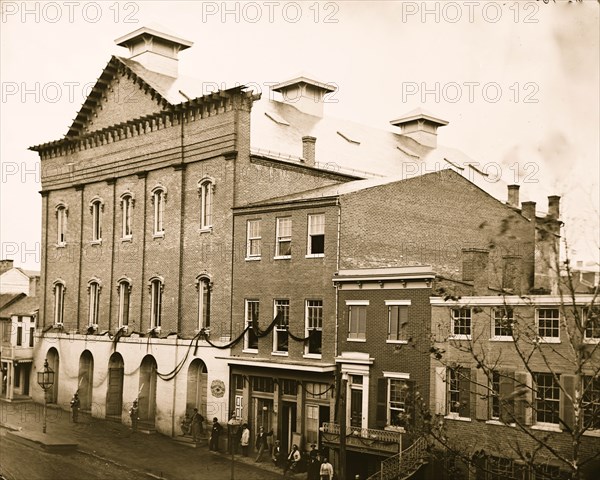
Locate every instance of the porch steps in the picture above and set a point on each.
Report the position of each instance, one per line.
(187, 441)
(405, 464)
(146, 427)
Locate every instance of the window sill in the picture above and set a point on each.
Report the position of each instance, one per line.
(363, 340)
(592, 433)
(591, 341)
(250, 350)
(280, 354)
(498, 422)
(315, 255)
(459, 337)
(206, 230)
(252, 259)
(456, 417)
(61, 245)
(127, 239)
(282, 257)
(96, 242)
(316, 356)
(548, 339)
(502, 339)
(401, 342)
(158, 235)
(547, 427)
(391, 428)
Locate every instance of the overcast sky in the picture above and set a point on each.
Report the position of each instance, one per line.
(517, 80)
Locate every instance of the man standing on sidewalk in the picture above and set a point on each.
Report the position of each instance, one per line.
(262, 443)
(75, 403)
(197, 420)
(133, 414)
(215, 432)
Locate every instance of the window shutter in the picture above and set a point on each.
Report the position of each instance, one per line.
(482, 394)
(523, 402)
(567, 413)
(403, 321)
(507, 397)
(440, 391)
(381, 417)
(464, 387)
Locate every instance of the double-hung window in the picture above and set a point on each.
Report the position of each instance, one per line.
(96, 208)
(61, 225)
(59, 302)
(156, 298)
(461, 323)
(283, 244)
(253, 239)
(314, 326)
(591, 323)
(548, 324)
(397, 320)
(316, 235)
(459, 392)
(503, 323)
(357, 320)
(280, 333)
(159, 196)
(399, 392)
(547, 398)
(251, 314)
(590, 402)
(204, 287)
(206, 203)
(124, 290)
(127, 216)
(94, 303)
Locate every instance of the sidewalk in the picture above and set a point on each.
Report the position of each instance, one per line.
(156, 455)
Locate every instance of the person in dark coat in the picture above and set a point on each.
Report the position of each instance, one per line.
(75, 404)
(314, 464)
(262, 442)
(133, 414)
(276, 454)
(196, 420)
(215, 432)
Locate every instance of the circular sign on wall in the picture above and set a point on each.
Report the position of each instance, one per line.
(217, 387)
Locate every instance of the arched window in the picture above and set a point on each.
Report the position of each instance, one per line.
(206, 189)
(159, 197)
(124, 291)
(204, 286)
(61, 224)
(93, 302)
(96, 208)
(127, 202)
(156, 291)
(59, 302)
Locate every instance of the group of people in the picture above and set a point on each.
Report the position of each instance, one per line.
(194, 425)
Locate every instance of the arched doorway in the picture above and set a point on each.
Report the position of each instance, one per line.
(147, 390)
(85, 380)
(114, 394)
(53, 363)
(197, 384)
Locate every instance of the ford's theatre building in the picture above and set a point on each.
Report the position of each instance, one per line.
(251, 255)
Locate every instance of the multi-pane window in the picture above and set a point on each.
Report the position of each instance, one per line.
(158, 199)
(503, 322)
(459, 392)
(397, 321)
(316, 235)
(398, 391)
(203, 303)
(461, 322)
(156, 292)
(495, 396)
(61, 224)
(59, 305)
(314, 326)
(127, 209)
(31, 336)
(499, 468)
(282, 312)
(312, 424)
(262, 384)
(124, 289)
(253, 238)
(547, 398)
(591, 323)
(357, 322)
(206, 204)
(548, 322)
(289, 387)
(252, 311)
(96, 209)
(590, 402)
(283, 244)
(93, 302)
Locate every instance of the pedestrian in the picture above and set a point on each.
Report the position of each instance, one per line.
(75, 404)
(196, 420)
(326, 471)
(276, 454)
(245, 440)
(292, 460)
(133, 414)
(233, 426)
(262, 442)
(314, 465)
(213, 443)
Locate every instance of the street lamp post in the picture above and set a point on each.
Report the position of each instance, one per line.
(232, 426)
(343, 427)
(45, 379)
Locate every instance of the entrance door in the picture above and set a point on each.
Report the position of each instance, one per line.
(197, 388)
(86, 379)
(114, 394)
(323, 418)
(356, 408)
(54, 364)
(147, 390)
(263, 410)
(288, 425)
(26, 375)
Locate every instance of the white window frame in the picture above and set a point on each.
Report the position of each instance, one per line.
(159, 198)
(280, 238)
(556, 387)
(309, 327)
(390, 304)
(59, 302)
(248, 322)
(96, 209)
(595, 328)
(495, 319)
(544, 338)
(253, 235)
(281, 328)
(315, 229)
(393, 376)
(127, 203)
(453, 326)
(349, 305)
(206, 188)
(61, 224)
(124, 290)
(204, 288)
(156, 302)
(94, 288)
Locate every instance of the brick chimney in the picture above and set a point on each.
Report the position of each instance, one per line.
(5, 266)
(305, 94)
(511, 273)
(513, 196)
(421, 126)
(308, 150)
(553, 207)
(528, 210)
(475, 268)
(155, 50)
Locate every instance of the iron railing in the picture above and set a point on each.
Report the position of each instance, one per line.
(403, 465)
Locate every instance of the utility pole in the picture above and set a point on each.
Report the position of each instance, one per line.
(343, 387)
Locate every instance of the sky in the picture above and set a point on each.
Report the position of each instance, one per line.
(518, 81)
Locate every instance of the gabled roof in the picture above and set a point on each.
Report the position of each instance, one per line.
(23, 305)
(29, 273)
(7, 299)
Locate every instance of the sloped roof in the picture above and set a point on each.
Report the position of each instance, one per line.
(29, 273)
(7, 299)
(23, 305)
